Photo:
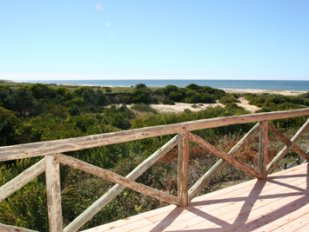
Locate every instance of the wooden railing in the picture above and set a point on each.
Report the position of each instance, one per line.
(52, 151)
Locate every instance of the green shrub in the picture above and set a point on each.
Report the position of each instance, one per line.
(143, 108)
(228, 99)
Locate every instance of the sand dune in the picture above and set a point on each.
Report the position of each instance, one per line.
(261, 91)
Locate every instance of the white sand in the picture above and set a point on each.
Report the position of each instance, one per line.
(261, 91)
(246, 105)
(180, 107)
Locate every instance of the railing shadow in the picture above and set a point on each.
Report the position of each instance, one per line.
(241, 222)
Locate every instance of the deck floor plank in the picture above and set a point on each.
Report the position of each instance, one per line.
(279, 204)
(292, 222)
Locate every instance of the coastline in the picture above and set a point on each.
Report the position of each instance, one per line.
(258, 86)
(284, 92)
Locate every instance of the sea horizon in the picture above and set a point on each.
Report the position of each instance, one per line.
(292, 85)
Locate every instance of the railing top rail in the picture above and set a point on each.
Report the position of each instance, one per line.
(85, 142)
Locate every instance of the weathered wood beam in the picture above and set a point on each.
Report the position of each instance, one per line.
(204, 180)
(285, 149)
(22, 179)
(223, 155)
(8, 228)
(263, 148)
(114, 177)
(74, 144)
(183, 169)
(113, 192)
(289, 143)
(53, 190)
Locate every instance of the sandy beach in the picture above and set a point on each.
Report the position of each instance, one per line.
(180, 107)
(261, 91)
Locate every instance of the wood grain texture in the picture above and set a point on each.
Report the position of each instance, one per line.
(204, 180)
(228, 158)
(53, 190)
(286, 149)
(183, 169)
(22, 179)
(8, 228)
(263, 148)
(115, 178)
(113, 192)
(255, 205)
(79, 143)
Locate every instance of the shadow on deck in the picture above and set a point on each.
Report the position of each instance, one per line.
(281, 203)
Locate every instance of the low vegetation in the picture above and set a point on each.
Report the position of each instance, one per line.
(37, 112)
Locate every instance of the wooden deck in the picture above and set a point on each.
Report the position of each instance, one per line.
(281, 203)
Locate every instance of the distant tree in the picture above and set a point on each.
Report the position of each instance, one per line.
(170, 88)
(142, 94)
(101, 100)
(107, 89)
(140, 86)
(41, 91)
(194, 87)
(87, 94)
(22, 102)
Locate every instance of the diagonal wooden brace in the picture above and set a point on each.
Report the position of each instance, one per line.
(288, 142)
(118, 179)
(223, 155)
(113, 192)
(204, 180)
(285, 150)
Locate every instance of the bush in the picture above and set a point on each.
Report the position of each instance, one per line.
(143, 108)
(40, 91)
(8, 125)
(142, 94)
(228, 99)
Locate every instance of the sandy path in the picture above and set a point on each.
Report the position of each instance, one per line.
(247, 106)
(180, 107)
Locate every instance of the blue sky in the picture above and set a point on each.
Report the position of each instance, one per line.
(201, 39)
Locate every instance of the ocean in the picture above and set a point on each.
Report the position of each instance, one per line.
(222, 84)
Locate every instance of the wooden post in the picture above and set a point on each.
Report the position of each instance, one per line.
(183, 168)
(223, 155)
(204, 180)
(114, 177)
(289, 143)
(113, 192)
(285, 149)
(263, 148)
(53, 193)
